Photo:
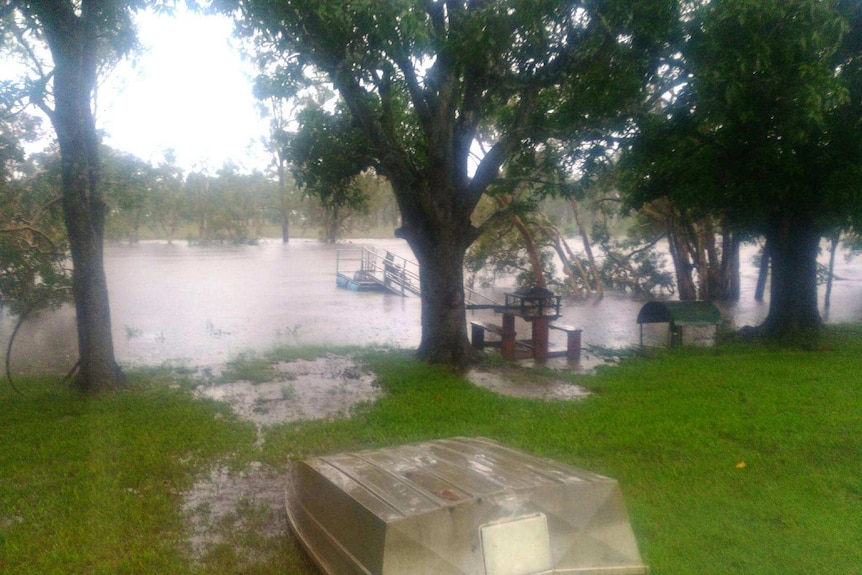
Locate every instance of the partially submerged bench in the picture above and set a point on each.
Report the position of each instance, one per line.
(573, 339)
(507, 337)
(477, 332)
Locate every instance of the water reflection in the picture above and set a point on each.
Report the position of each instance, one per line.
(200, 305)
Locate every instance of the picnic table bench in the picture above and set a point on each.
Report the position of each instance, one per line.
(573, 339)
(508, 343)
(478, 329)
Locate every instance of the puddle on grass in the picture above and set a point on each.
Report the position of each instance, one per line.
(225, 504)
(321, 388)
(544, 388)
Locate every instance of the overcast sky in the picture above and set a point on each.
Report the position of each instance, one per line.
(190, 91)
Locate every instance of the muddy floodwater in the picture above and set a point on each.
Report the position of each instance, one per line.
(201, 305)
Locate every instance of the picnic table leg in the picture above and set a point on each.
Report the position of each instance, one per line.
(478, 333)
(540, 338)
(573, 344)
(508, 345)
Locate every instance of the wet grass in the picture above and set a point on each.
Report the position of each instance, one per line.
(94, 485)
(248, 366)
(261, 367)
(741, 460)
(738, 460)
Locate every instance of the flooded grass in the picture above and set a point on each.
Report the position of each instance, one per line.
(734, 460)
(91, 485)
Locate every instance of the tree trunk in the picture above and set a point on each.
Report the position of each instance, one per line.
(575, 263)
(567, 257)
(83, 208)
(532, 251)
(729, 270)
(588, 249)
(712, 289)
(833, 245)
(330, 224)
(444, 316)
(793, 243)
(762, 272)
(697, 232)
(679, 253)
(282, 195)
(569, 268)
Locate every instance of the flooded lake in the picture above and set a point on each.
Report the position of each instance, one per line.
(201, 305)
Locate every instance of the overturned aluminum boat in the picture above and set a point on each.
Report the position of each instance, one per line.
(458, 506)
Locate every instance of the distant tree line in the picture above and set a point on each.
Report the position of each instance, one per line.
(145, 201)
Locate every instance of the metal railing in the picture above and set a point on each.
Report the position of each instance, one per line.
(367, 266)
(395, 273)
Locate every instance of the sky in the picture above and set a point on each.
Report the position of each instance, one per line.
(188, 90)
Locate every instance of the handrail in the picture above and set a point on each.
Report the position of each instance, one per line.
(398, 273)
(472, 297)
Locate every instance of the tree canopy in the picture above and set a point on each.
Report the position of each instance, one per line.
(421, 83)
(761, 126)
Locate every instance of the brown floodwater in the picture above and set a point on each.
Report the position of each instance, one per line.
(201, 305)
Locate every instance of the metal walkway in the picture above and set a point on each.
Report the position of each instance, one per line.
(362, 269)
(368, 269)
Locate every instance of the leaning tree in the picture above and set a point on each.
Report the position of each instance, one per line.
(81, 35)
(421, 82)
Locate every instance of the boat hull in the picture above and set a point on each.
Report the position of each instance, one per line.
(461, 506)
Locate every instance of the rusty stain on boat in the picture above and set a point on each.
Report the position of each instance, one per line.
(459, 506)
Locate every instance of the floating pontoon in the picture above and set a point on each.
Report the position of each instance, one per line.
(461, 506)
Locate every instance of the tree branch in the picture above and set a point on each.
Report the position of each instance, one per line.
(490, 165)
(418, 96)
(31, 229)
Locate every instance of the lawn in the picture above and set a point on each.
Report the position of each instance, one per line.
(736, 460)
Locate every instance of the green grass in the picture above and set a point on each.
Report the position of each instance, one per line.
(93, 485)
(261, 368)
(737, 460)
(743, 460)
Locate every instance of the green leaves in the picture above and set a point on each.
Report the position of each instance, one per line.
(754, 123)
(34, 272)
(327, 152)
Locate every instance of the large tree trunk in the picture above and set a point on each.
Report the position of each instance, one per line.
(444, 317)
(729, 271)
(74, 54)
(439, 241)
(793, 244)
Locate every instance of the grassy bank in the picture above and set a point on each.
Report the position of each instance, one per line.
(742, 460)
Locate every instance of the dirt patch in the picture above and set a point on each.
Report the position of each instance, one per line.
(225, 504)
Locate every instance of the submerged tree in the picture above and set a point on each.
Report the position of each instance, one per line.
(762, 131)
(421, 81)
